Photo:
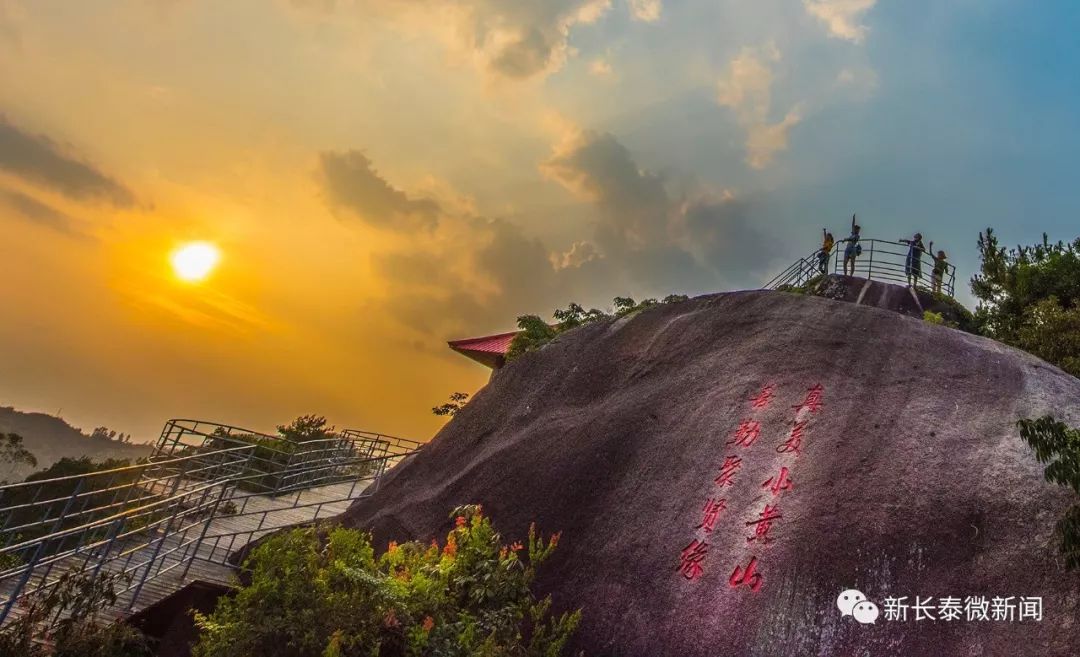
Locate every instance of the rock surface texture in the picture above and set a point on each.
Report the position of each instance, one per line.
(910, 480)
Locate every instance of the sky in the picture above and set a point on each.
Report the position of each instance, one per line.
(381, 176)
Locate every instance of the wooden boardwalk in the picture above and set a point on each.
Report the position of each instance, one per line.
(182, 557)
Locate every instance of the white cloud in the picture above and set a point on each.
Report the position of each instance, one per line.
(747, 90)
(600, 67)
(579, 254)
(516, 39)
(763, 140)
(862, 82)
(646, 10)
(841, 16)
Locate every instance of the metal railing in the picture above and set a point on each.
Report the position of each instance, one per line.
(205, 483)
(880, 260)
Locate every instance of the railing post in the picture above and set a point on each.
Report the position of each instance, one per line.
(14, 595)
(153, 559)
(117, 529)
(205, 528)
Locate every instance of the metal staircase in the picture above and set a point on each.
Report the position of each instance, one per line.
(207, 490)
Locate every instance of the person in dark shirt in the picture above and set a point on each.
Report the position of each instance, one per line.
(913, 264)
(940, 266)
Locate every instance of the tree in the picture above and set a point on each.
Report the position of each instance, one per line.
(59, 621)
(326, 593)
(14, 454)
(1029, 297)
(1059, 446)
(456, 403)
(306, 428)
(534, 334)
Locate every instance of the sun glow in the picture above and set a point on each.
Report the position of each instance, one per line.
(195, 261)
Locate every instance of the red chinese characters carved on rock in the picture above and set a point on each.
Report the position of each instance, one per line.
(692, 557)
(779, 483)
(750, 577)
(727, 471)
(746, 434)
(763, 398)
(794, 441)
(710, 514)
(813, 401)
(763, 524)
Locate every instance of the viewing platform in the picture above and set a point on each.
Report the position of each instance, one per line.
(880, 260)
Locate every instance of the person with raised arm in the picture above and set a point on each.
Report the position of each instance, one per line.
(853, 249)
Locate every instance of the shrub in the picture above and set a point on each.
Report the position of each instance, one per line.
(59, 621)
(1059, 446)
(317, 593)
(933, 318)
(283, 463)
(535, 332)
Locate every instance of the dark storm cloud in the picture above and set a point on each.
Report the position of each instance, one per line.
(725, 235)
(37, 212)
(351, 183)
(40, 160)
(431, 294)
(659, 239)
(633, 202)
(524, 57)
(473, 274)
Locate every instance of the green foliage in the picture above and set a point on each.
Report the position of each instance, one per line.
(14, 454)
(933, 318)
(23, 497)
(317, 593)
(1059, 446)
(1029, 297)
(1052, 333)
(306, 428)
(456, 403)
(59, 621)
(304, 441)
(535, 332)
(574, 315)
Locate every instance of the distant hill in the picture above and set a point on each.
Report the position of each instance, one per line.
(51, 439)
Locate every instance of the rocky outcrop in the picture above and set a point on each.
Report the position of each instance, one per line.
(832, 445)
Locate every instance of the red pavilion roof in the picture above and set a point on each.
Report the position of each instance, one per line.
(488, 350)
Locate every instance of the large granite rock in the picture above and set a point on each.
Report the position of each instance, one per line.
(910, 480)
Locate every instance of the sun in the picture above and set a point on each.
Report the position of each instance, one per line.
(195, 261)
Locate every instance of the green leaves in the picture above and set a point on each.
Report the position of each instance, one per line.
(1029, 297)
(456, 403)
(1058, 446)
(60, 621)
(325, 593)
(535, 332)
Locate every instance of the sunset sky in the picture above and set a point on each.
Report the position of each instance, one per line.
(380, 176)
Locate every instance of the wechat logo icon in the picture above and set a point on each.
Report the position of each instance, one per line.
(853, 603)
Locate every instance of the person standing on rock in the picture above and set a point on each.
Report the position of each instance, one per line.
(913, 264)
(826, 249)
(853, 249)
(938, 274)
